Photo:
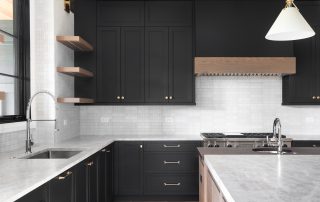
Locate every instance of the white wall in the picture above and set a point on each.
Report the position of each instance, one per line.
(226, 104)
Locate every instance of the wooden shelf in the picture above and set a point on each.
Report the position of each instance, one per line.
(2, 95)
(75, 42)
(75, 71)
(75, 100)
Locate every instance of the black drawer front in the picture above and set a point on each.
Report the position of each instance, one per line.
(171, 184)
(172, 146)
(170, 162)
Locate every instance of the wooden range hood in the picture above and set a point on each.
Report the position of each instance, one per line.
(244, 66)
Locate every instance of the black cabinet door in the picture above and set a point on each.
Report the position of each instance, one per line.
(108, 72)
(156, 64)
(92, 170)
(128, 168)
(105, 174)
(37, 195)
(81, 182)
(168, 13)
(181, 73)
(237, 28)
(132, 64)
(61, 188)
(120, 13)
(109, 174)
(303, 88)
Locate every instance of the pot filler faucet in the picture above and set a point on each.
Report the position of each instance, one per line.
(29, 141)
(277, 131)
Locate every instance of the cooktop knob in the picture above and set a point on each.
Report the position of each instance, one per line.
(210, 145)
(285, 145)
(216, 145)
(229, 145)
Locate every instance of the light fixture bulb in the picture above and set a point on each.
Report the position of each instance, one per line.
(290, 25)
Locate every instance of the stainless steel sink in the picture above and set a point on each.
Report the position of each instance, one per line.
(272, 150)
(53, 153)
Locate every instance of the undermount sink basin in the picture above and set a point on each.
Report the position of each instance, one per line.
(53, 154)
(272, 150)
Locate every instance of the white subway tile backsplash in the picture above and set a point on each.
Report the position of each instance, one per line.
(223, 104)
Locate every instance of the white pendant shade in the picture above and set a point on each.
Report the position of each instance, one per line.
(290, 25)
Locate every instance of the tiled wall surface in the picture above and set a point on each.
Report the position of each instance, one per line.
(227, 104)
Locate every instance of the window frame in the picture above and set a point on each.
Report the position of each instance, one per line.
(22, 58)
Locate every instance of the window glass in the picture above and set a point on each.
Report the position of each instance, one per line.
(7, 16)
(9, 105)
(7, 55)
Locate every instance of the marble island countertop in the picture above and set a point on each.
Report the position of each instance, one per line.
(266, 178)
(20, 176)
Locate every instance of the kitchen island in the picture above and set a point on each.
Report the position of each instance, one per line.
(246, 178)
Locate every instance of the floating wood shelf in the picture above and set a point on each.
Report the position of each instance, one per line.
(75, 42)
(74, 100)
(245, 66)
(2, 95)
(75, 71)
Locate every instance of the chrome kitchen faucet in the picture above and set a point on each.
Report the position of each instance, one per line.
(277, 127)
(29, 142)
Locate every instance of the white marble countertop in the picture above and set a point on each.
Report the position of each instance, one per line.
(20, 176)
(268, 178)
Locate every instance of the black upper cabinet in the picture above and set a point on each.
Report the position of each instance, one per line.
(128, 168)
(157, 64)
(169, 65)
(168, 13)
(85, 26)
(108, 77)
(181, 79)
(132, 64)
(120, 65)
(237, 28)
(303, 88)
(120, 13)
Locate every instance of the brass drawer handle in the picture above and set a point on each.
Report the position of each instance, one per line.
(170, 184)
(166, 97)
(318, 97)
(90, 163)
(108, 151)
(170, 98)
(104, 150)
(62, 177)
(171, 146)
(122, 97)
(314, 97)
(171, 162)
(118, 97)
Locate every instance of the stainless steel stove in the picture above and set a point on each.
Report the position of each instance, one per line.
(249, 140)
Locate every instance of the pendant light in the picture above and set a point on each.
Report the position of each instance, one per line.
(290, 25)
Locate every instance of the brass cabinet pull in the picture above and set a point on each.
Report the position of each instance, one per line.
(171, 184)
(108, 151)
(166, 97)
(171, 146)
(118, 97)
(171, 162)
(122, 97)
(90, 163)
(318, 97)
(314, 97)
(104, 150)
(170, 97)
(141, 146)
(62, 177)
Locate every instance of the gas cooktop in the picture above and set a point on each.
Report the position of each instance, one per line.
(237, 135)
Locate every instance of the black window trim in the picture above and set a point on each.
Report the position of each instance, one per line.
(23, 59)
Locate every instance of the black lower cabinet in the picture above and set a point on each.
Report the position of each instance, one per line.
(128, 168)
(105, 174)
(38, 195)
(81, 182)
(61, 188)
(156, 170)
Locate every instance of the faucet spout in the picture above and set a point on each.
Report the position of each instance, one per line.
(29, 142)
(277, 134)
